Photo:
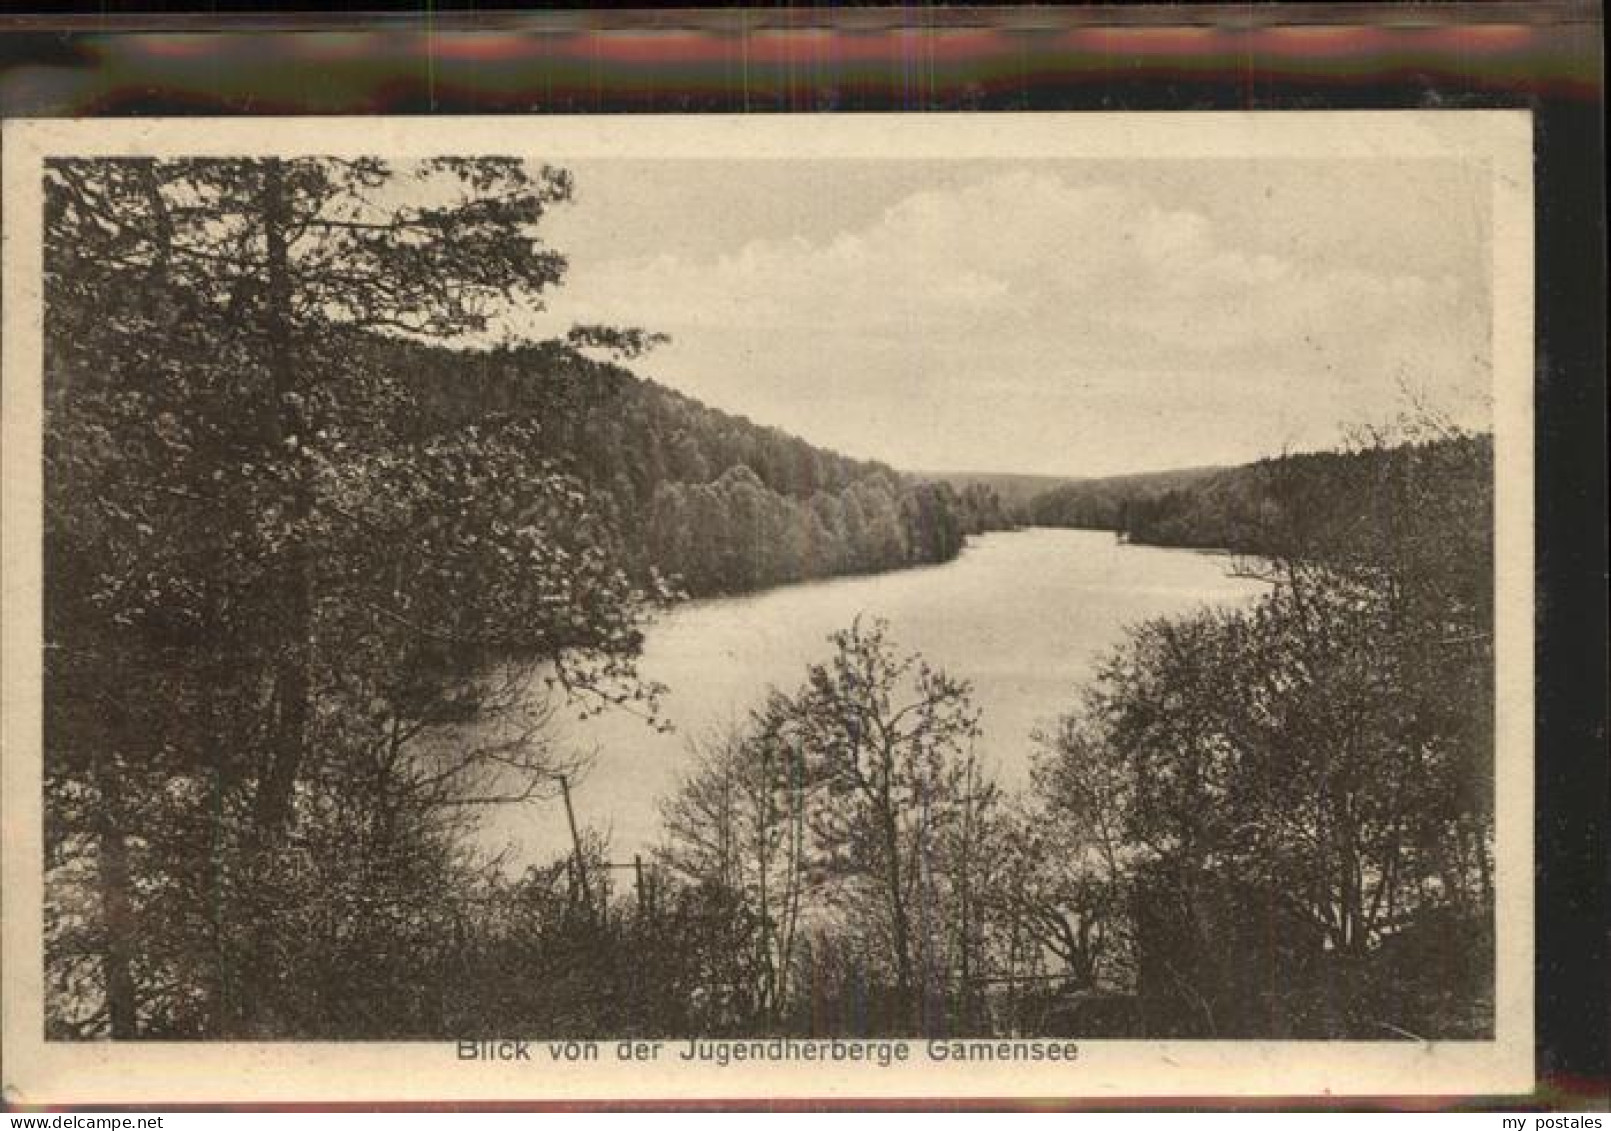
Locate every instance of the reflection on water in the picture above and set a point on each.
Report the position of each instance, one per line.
(1025, 616)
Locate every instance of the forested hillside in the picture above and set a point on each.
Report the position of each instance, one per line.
(1307, 503)
(1015, 491)
(715, 502)
(1103, 504)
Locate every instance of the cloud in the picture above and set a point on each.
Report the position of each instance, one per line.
(1030, 278)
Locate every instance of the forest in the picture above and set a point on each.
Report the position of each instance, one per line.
(712, 500)
(299, 532)
(1301, 504)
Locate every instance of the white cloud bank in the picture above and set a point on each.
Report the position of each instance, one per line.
(1033, 322)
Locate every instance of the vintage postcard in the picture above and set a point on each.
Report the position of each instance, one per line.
(996, 605)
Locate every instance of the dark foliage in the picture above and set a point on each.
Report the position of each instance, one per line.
(1290, 808)
(714, 501)
(308, 579)
(1317, 503)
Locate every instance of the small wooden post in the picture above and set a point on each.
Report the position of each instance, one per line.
(576, 840)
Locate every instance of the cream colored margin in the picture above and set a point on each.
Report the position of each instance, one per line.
(37, 1072)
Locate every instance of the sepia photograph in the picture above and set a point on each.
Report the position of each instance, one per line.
(984, 595)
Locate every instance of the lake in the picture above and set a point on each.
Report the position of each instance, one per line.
(1024, 615)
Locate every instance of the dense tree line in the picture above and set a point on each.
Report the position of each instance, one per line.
(714, 501)
(1013, 492)
(1104, 503)
(1314, 502)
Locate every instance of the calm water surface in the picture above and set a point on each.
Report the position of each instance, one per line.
(1025, 616)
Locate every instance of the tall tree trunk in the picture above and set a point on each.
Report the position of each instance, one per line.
(253, 1006)
(292, 680)
(113, 881)
(117, 926)
(899, 927)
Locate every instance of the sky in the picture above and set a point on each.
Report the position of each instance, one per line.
(1059, 316)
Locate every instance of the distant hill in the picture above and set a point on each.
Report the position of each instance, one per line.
(1326, 503)
(1014, 490)
(716, 501)
(1104, 503)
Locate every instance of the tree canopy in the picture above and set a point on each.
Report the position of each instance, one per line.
(257, 585)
